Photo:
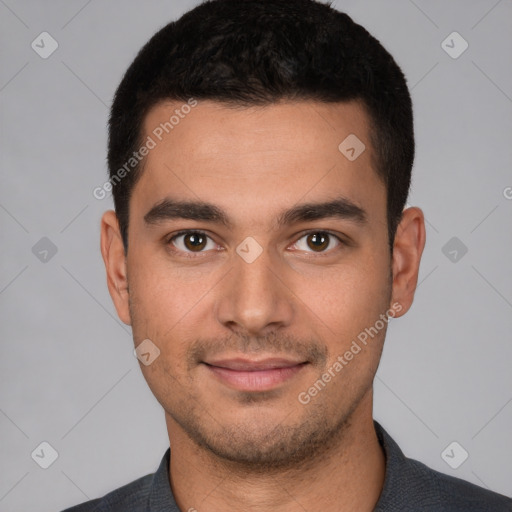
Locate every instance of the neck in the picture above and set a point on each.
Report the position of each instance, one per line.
(349, 477)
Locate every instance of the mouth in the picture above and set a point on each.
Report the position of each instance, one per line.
(254, 375)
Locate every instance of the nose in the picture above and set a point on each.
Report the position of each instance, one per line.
(254, 297)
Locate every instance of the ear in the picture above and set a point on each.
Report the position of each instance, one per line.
(112, 250)
(407, 250)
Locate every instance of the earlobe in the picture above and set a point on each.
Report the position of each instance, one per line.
(407, 250)
(112, 251)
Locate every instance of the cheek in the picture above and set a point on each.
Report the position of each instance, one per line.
(162, 293)
(347, 298)
(162, 310)
(168, 383)
(349, 305)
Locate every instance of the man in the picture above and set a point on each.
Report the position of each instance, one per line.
(260, 156)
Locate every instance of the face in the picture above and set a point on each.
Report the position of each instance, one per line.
(259, 265)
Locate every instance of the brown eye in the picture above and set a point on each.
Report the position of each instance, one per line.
(191, 242)
(194, 241)
(317, 241)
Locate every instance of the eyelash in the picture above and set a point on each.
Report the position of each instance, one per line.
(188, 254)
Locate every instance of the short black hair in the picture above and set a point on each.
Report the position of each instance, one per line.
(259, 52)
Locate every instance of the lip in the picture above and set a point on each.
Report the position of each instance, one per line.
(249, 365)
(254, 375)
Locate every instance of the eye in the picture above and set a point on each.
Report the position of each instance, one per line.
(192, 242)
(318, 241)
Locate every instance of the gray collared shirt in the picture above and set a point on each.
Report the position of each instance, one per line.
(409, 485)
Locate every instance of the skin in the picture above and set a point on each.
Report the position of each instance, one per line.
(264, 450)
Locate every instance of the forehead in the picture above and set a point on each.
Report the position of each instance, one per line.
(215, 127)
(259, 157)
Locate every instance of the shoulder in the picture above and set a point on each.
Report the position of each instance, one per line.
(447, 493)
(411, 485)
(133, 496)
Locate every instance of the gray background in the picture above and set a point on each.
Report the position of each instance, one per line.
(68, 374)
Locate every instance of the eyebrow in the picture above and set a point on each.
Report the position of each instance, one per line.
(341, 208)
